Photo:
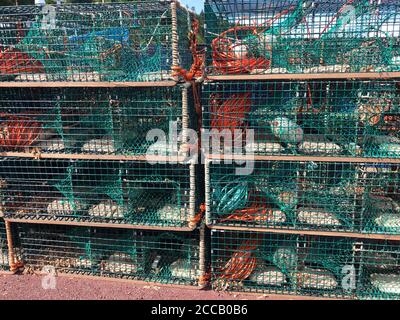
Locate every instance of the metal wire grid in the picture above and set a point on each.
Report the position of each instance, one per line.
(137, 41)
(379, 270)
(329, 196)
(301, 36)
(151, 256)
(110, 192)
(94, 120)
(318, 118)
(283, 264)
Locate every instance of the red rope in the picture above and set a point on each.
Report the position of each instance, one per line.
(242, 263)
(13, 61)
(230, 113)
(227, 61)
(16, 132)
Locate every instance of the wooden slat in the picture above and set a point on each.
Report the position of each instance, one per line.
(308, 76)
(310, 232)
(301, 158)
(98, 224)
(68, 84)
(164, 159)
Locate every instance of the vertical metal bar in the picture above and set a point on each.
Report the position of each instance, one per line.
(11, 255)
(175, 38)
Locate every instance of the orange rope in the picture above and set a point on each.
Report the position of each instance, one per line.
(242, 263)
(259, 214)
(17, 131)
(197, 218)
(256, 212)
(225, 60)
(230, 113)
(205, 279)
(13, 61)
(199, 56)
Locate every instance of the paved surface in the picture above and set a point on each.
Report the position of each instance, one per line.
(29, 287)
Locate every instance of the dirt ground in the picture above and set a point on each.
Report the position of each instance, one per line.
(29, 287)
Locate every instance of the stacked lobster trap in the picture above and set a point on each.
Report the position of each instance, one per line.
(94, 172)
(304, 198)
(138, 41)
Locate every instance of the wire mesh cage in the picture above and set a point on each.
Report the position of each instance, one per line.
(302, 36)
(283, 264)
(94, 120)
(151, 256)
(305, 195)
(379, 270)
(137, 41)
(319, 118)
(110, 192)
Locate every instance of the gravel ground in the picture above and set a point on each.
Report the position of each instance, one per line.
(29, 287)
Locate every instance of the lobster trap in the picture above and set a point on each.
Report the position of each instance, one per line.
(112, 193)
(301, 36)
(283, 264)
(139, 41)
(95, 121)
(305, 195)
(311, 118)
(379, 272)
(151, 256)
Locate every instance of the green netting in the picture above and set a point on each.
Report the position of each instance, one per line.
(283, 264)
(312, 195)
(381, 200)
(134, 193)
(379, 270)
(153, 256)
(92, 42)
(93, 121)
(300, 36)
(312, 118)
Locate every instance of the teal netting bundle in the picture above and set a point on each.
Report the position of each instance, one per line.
(230, 195)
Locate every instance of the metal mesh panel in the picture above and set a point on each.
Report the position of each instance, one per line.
(301, 36)
(90, 121)
(332, 118)
(380, 270)
(3, 244)
(113, 192)
(153, 256)
(91, 42)
(334, 196)
(282, 264)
